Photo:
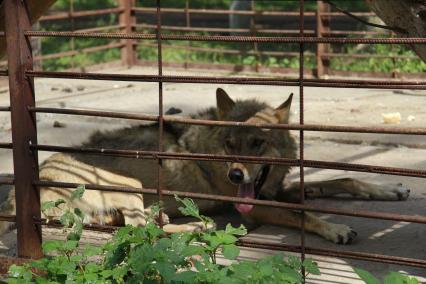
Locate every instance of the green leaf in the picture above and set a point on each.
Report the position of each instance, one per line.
(70, 245)
(230, 251)
(49, 246)
(192, 250)
(399, 278)
(240, 231)
(91, 251)
(366, 276)
(185, 277)
(47, 205)
(78, 192)
(79, 213)
(311, 266)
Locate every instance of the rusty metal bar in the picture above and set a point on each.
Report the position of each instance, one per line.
(268, 203)
(323, 27)
(84, 50)
(6, 146)
(9, 180)
(408, 40)
(301, 132)
(231, 51)
(160, 111)
(24, 130)
(208, 29)
(260, 30)
(4, 108)
(4, 73)
(259, 13)
(8, 218)
(351, 56)
(219, 11)
(336, 253)
(89, 13)
(372, 84)
(127, 19)
(174, 119)
(142, 154)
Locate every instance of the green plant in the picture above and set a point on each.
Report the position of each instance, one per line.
(148, 255)
(391, 278)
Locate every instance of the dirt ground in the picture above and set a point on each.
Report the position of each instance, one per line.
(356, 107)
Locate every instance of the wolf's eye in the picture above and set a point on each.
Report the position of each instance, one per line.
(257, 142)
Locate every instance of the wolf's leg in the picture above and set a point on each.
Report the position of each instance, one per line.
(354, 187)
(337, 233)
(187, 227)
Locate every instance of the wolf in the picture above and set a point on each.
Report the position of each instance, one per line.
(246, 180)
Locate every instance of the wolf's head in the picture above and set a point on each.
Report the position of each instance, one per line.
(251, 141)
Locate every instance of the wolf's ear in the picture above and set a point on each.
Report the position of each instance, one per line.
(224, 103)
(283, 111)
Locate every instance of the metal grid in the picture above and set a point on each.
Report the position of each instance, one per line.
(25, 146)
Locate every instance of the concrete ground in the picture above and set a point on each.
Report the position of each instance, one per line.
(355, 107)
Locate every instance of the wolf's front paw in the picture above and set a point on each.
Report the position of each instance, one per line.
(391, 192)
(339, 234)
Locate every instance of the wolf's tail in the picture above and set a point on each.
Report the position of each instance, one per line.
(7, 206)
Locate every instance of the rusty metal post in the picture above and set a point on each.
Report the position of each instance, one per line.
(188, 25)
(323, 27)
(127, 20)
(24, 131)
(254, 33)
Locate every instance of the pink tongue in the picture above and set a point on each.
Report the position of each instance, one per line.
(245, 191)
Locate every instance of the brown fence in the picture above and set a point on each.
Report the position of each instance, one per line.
(24, 131)
(142, 19)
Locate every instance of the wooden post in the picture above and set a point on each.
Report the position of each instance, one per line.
(127, 20)
(323, 26)
(24, 131)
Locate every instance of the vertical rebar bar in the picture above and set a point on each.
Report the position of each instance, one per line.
(188, 25)
(301, 138)
(160, 110)
(24, 130)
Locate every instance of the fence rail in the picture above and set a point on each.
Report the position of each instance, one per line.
(130, 21)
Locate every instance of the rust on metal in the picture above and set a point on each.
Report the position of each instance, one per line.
(301, 132)
(79, 14)
(141, 154)
(408, 40)
(337, 253)
(293, 206)
(372, 84)
(174, 119)
(24, 130)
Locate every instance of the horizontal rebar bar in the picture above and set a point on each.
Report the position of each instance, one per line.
(7, 179)
(7, 218)
(174, 119)
(276, 204)
(78, 14)
(230, 38)
(234, 158)
(4, 73)
(372, 84)
(6, 145)
(243, 12)
(4, 108)
(336, 253)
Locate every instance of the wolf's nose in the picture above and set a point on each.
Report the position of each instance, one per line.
(236, 175)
